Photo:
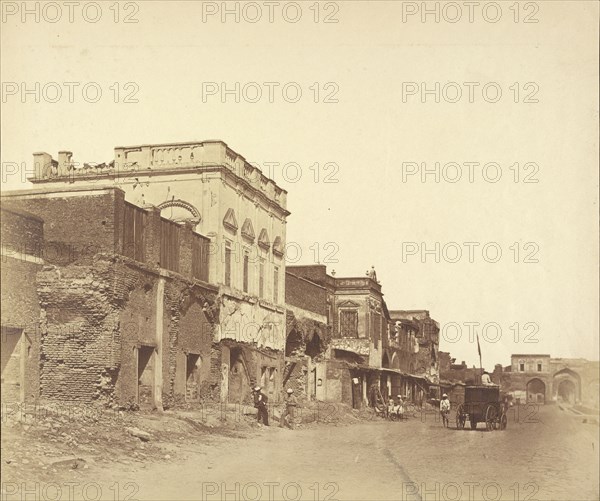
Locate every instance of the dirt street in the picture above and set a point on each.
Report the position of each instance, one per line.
(546, 454)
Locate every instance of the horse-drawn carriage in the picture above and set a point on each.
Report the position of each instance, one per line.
(482, 405)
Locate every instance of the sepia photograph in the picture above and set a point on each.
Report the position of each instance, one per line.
(300, 250)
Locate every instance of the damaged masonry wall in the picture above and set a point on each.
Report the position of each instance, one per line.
(102, 313)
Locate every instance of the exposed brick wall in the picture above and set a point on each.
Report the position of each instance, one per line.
(305, 295)
(315, 273)
(75, 228)
(21, 233)
(80, 322)
(96, 315)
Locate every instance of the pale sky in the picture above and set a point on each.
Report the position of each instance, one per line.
(371, 213)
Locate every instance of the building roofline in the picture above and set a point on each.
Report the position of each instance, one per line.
(305, 280)
(190, 143)
(529, 355)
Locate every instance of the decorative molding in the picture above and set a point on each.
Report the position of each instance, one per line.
(183, 205)
(278, 247)
(230, 221)
(348, 304)
(248, 230)
(263, 240)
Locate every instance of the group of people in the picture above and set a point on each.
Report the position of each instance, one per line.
(395, 407)
(261, 403)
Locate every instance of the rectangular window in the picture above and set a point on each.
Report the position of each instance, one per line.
(522, 367)
(276, 284)
(349, 323)
(264, 377)
(228, 263)
(246, 271)
(261, 278)
(539, 367)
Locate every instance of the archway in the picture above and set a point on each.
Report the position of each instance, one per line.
(385, 361)
(293, 344)
(536, 391)
(567, 391)
(395, 361)
(313, 346)
(180, 211)
(567, 386)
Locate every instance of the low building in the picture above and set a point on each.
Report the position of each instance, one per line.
(540, 379)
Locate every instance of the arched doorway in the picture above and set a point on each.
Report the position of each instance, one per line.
(567, 391)
(536, 391)
(567, 386)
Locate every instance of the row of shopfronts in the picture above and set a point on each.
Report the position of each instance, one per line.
(366, 353)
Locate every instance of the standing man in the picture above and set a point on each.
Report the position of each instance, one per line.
(260, 402)
(400, 404)
(291, 402)
(445, 409)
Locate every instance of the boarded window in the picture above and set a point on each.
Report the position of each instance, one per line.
(349, 323)
(276, 284)
(261, 278)
(169, 245)
(200, 257)
(246, 271)
(134, 220)
(227, 263)
(376, 327)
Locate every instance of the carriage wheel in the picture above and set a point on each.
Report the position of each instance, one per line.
(491, 418)
(460, 417)
(503, 421)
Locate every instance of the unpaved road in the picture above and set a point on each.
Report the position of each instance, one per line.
(546, 455)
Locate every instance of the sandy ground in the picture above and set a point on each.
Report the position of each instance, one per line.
(549, 454)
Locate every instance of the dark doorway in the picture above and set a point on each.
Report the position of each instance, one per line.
(192, 377)
(293, 344)
(313, 347)
(357, 384)
(239, 384)
(145, 376)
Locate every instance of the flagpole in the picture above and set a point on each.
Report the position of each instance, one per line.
(480, 365)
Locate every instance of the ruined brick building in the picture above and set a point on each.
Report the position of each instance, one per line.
(160, 277)
(117, 307)
(168, 280)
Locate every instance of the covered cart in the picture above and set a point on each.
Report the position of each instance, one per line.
(482, 405)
